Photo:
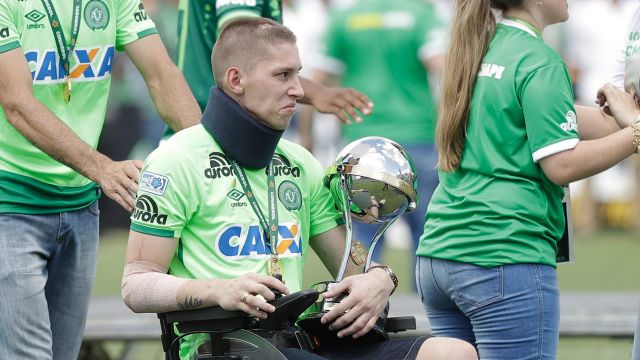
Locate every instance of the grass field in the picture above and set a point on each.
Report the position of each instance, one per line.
(606, 261)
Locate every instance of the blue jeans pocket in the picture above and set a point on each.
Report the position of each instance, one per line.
(473, 285)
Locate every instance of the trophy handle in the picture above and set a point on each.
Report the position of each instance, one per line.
(346, 206)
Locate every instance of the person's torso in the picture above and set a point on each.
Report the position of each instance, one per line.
(379, 42)
(101, 29)
(498, 207)
(632, 47)
(220, 234)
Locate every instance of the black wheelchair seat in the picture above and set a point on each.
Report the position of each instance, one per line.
(217, 322)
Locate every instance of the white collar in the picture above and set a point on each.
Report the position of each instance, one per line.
(516, 24)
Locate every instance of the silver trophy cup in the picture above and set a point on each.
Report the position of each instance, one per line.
(372, 180)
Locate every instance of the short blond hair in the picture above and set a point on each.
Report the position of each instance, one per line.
(246, 41)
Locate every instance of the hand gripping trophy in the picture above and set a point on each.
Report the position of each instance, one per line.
(372, 180)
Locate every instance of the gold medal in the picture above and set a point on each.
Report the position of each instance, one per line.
(274, 265)
(67, 90)
(358, 253)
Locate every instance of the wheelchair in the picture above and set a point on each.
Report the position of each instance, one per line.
(235, 335)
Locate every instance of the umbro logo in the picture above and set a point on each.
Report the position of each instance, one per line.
(35, 16)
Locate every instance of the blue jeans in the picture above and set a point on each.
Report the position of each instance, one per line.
(425, 159)
(636, 341)
(47, 266)
(509, 312)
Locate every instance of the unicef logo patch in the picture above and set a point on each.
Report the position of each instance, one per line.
(290, 195)
(96, 15)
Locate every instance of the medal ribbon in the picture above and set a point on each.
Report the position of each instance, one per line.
(65, 52)
(271, 226)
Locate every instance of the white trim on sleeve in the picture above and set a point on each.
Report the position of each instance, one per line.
(554, 149)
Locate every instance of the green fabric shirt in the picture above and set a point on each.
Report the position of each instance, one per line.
(199, 22)
(188, 191)
(378, 47)
(498, 207)
(31, 182)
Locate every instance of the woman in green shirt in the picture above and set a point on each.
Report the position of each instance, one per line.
(509, 144)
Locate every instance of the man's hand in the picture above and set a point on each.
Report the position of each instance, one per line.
(249, 292)
(342, 102)
(119, 180)
(357, 313)
(618, 104)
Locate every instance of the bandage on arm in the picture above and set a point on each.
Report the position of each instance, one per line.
(146, 287)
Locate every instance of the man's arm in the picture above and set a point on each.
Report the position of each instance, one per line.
(146, 286)
(168, 89)
(43, 129)
(368, 293)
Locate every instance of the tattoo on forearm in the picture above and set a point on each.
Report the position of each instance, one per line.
(191, 303)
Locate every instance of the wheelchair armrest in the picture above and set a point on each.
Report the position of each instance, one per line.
(400, 323)
(288, 309)
(208, 319)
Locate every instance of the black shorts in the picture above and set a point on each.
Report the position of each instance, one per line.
(392, 349)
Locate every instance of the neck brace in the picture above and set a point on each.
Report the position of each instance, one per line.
(240, 135)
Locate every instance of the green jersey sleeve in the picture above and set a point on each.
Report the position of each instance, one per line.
(550, 118)
(162, 208)
(323, 213)
(9, 38)
(132, 23)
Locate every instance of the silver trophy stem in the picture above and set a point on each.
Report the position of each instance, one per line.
(346, 205)
(374, 242)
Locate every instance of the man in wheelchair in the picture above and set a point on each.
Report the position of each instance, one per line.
(227, 211)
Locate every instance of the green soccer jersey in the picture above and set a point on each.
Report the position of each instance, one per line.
(199, 22)
(498, 207)
(189, 191)
(30, 181)
(378, 47)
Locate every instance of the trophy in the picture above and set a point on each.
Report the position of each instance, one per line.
(372, 180)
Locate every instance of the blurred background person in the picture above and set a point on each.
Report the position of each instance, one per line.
(589, 54)
(390, 50)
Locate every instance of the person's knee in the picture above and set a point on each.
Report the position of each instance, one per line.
(437, 348)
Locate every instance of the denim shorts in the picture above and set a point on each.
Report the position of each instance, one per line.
(508, 312)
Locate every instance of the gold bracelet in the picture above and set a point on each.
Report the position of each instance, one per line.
(636, 135)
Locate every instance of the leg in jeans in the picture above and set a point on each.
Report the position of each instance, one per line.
(636, 341)
(27, 244)
(71, 274)
(35, 296)
(513, 309)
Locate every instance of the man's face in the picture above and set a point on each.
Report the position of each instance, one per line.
(272, 87)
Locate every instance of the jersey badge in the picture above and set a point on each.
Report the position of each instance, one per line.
(96, 15)
(153, 183)
(290, 195)
(572, 122)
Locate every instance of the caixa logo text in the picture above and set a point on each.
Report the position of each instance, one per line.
(249, 241)
(89, 64)
(147, 211)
